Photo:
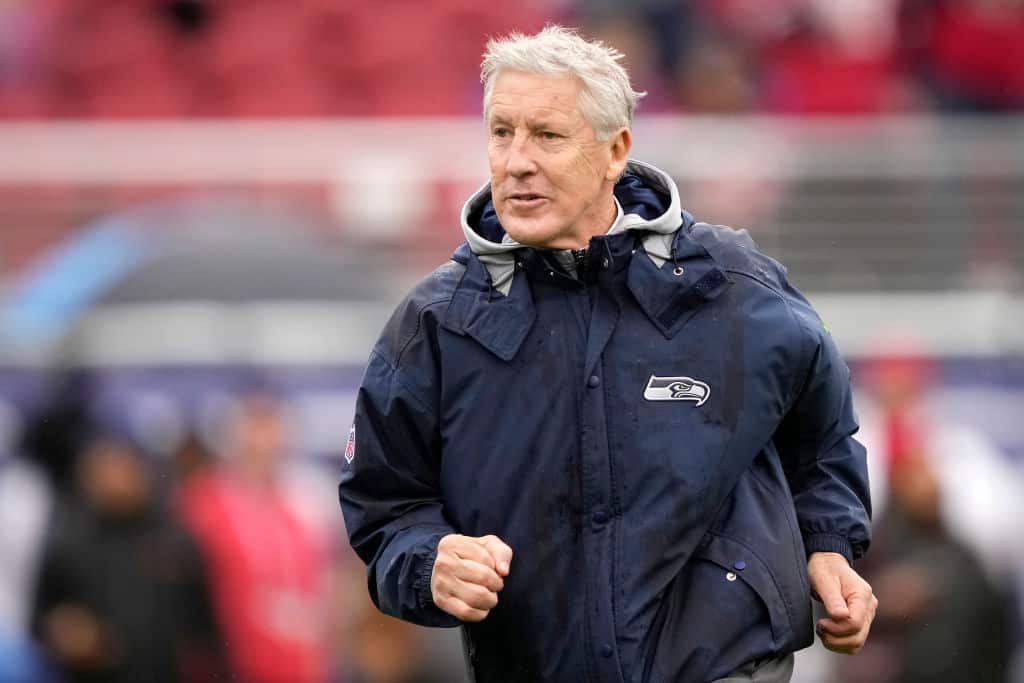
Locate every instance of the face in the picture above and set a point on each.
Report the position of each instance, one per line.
(551, 178)
(114, 478)
(261, 441)
(915, 486)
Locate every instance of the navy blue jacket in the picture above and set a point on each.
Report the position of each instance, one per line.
(661, 440)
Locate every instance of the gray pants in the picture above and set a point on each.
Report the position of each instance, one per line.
(772, 671)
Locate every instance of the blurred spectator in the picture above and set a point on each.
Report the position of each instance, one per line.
(267, 566)
(939, 618)
(121, 595)
(631, 37)
(22, 90)
(947, 552)
(375, 648)
(836, 58)
(56, 434)
(980, 486)
(24, 509)
(715, 77)
(969, 53)
(386, 650)
(192, 459)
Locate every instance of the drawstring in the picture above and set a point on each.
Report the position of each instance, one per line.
(678, 269)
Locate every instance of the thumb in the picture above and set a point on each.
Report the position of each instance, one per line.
(831, 595)
(500, 552)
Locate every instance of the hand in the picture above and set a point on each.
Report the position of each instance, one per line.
(78, 638)
(847, 598)
(468, 574)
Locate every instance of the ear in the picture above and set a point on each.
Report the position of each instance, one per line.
(620, 143)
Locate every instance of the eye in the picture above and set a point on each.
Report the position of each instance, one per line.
(549, 135)
(500, 132)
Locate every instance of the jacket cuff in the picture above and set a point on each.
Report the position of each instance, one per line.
(828, 543)
(424, 572)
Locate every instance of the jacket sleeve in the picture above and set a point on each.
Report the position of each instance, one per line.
(825, 465)
(390, 491)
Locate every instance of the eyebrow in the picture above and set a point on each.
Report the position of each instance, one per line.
(532, 123)
(543, 122)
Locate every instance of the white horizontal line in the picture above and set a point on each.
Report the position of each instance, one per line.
(453, 149)
(302, 333)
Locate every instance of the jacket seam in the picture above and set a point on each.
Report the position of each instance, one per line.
(798, 379)
(404, 345)
(423, 403)
(792, 523)
(419, 325)
(616, 507)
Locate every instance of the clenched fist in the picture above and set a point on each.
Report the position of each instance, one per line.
(468, 574)
(848, 599)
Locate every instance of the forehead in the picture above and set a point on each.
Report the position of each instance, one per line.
(521, 93)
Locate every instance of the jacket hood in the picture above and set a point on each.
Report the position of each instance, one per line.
(650, 203)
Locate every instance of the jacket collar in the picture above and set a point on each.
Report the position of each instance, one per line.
(669, 295)
(670, 274)
(688, 277)
(497, 322)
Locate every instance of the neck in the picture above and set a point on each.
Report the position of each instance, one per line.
(602, 222)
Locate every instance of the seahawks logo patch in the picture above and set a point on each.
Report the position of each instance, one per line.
(677, 389)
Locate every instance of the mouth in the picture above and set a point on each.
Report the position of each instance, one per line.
(525, 200)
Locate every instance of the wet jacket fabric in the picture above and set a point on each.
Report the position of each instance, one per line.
(661, 432)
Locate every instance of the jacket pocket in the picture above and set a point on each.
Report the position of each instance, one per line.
(723, 611)
(737, 563)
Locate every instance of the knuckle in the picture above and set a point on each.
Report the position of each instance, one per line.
(442, 574)
(481, 597)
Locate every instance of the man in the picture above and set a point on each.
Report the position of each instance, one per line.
(121, 594)
(612, 443)
(267, 564)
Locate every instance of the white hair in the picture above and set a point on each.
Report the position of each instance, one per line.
(607, 99)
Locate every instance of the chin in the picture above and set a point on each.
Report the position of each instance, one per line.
(536, 232)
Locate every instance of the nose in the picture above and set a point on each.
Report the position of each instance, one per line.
(520, 160)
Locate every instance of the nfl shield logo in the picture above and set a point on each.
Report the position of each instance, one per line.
(350, 447)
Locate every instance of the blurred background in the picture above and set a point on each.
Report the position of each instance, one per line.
(208, 209)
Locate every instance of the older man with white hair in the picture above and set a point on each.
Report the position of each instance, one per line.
(610, 442)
